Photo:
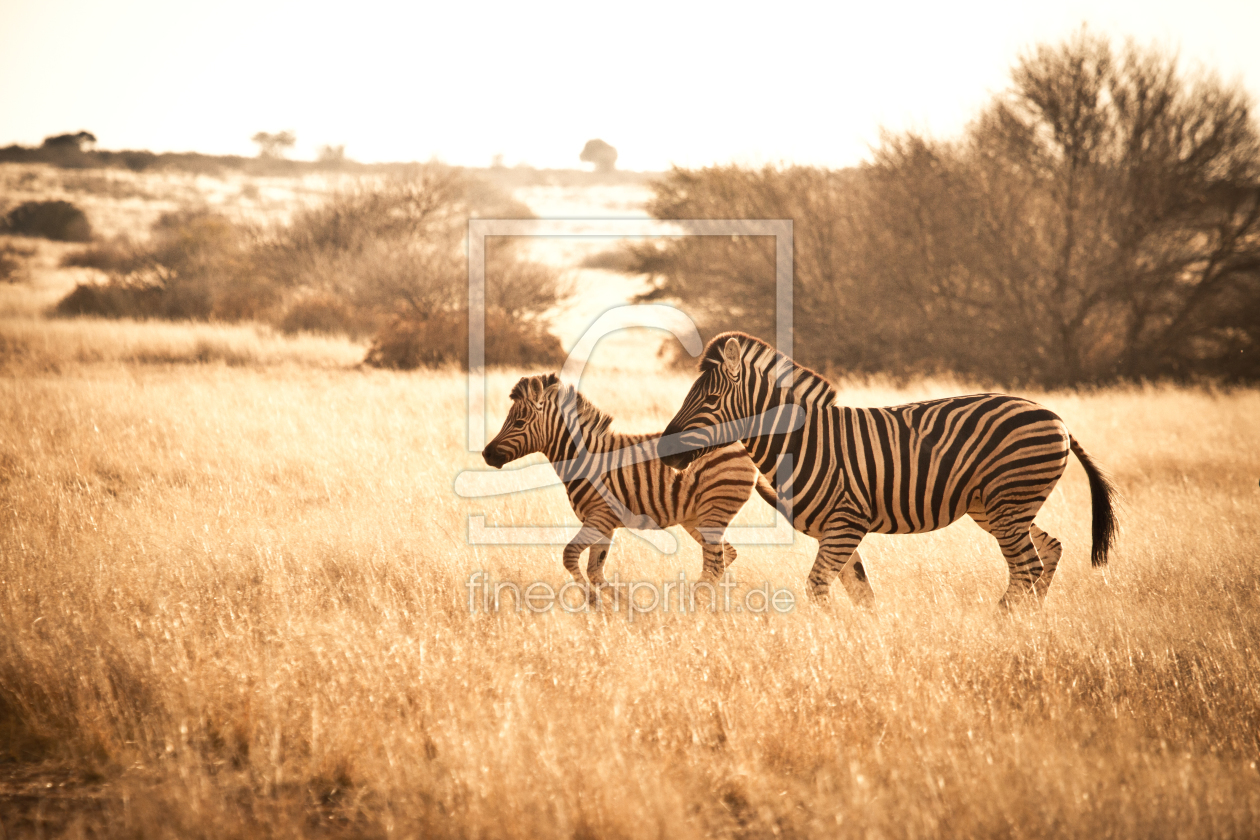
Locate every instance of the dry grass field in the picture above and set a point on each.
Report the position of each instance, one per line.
(234, 604)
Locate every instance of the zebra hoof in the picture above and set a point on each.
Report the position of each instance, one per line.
(594, 598)
(1023, 602)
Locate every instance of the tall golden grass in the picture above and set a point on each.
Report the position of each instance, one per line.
(234, 605)
(32, 346)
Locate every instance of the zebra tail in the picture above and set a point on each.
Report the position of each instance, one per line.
(1103, 497)
(765, 491)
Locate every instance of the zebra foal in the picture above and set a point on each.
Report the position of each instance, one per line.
(616, 480)
(845, 472)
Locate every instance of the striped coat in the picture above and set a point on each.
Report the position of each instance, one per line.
(616, 480)
(841, 473)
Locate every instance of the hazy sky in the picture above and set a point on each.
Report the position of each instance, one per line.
(663, 82)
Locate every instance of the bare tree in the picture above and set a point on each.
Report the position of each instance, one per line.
(274, 146)
(1099, 220)
(729, 282)
(1139, 212)
(397, 246)
(330, 155)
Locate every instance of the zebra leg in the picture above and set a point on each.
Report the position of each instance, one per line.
(702, 594)
(1049, 550)
(1014, 537)
(853, 576)
(837, 554)
(728, 555)
(712, 544)
(587, 536)
(1022, 562)
(595, 565)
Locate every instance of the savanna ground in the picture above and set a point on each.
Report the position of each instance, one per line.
(234, 603)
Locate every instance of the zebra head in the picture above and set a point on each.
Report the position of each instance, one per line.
(527, 427)
(713, 413)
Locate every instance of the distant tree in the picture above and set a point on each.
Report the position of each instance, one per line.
(274, 146)
(728, 282)
(1100, 220)
(331, 155)
(599, 153)
(69, 142)
(59, 220)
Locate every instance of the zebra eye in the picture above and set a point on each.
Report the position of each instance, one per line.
(520, 423)
(712, 400)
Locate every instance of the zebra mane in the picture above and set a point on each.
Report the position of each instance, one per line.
(589, 416)
(521, 389)
(768, 361)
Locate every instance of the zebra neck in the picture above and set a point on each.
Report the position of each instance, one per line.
(770, 451)
(597, 452)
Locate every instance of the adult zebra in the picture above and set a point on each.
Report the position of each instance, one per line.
(616, 480)
(898, 470)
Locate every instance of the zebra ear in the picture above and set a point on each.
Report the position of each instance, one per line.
(534, 394)
(549, 393)
(731, 357)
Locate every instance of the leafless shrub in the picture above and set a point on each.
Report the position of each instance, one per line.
(12, 259)
(389, 252)
(442, 339)
(322, 312)
(114, 256)
(116, 299)
(196, 267)
(393, 253)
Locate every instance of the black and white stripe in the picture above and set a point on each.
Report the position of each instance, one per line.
(906, 469)
(615, 480)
